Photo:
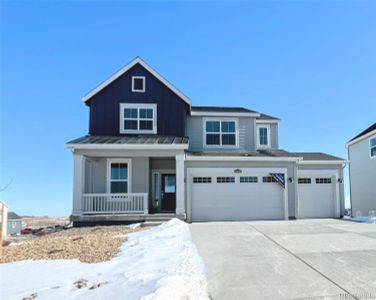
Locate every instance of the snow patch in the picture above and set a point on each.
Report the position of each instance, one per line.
(159, 263)
(369, 219)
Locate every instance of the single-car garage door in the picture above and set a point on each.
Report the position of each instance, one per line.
(316, 196)
(225, 197)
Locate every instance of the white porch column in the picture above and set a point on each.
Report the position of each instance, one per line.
(179, 165)
(78, 182)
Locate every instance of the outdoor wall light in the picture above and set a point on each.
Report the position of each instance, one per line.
(237, 171)
(291, 179)
(340, 180)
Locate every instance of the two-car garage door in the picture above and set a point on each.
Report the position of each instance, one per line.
(229, 196)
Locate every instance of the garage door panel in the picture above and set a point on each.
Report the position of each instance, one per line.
(316, 200)
(236, 201)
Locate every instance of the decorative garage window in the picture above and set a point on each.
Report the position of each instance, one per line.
(138, 118)
(220, 133)
(268, 179)
(118, 176)
(304, 180)
(248, 179)
(201, 179)
(225, 179)
(138, 84)
(372, 145)
(323, 180)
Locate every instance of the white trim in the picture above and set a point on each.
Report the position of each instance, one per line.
(108, 174)
(267, 126)
(370, 147)
(143, 84)
(223, 114)
(129, 146)
(239, 158)
(361, 138)
(220, 146)
(322, 162)
(135, 61)
(265, 121)
(138, 106)
(179, 184)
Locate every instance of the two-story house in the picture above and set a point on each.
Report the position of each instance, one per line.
(362, 168)
(151, 154)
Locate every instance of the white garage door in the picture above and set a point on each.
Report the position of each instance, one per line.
(316, 196)
(236, 197)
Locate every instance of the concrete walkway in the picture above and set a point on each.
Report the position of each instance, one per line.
(305, 259)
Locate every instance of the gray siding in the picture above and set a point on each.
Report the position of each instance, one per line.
(195, 132)
(362, 178)
(14, 227)
(291, 172)
(273, 134)
(96, 176)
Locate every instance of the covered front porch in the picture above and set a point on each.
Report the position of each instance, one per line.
(127, 185)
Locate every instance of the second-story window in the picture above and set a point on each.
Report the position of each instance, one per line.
(220, 133)
(138, 84)
(263, 136)
(138, 118)
(372, 144)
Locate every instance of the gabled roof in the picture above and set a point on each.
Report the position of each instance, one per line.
(127, 67)
(369, 131)
(13, 216)
(267, 117)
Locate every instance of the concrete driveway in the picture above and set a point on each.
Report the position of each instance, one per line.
(305, 259)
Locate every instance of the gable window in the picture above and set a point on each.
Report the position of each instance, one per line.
(138, 118)
(263, 136)
(372, 145)
(220, 133)
(118, 180)
(138, 84)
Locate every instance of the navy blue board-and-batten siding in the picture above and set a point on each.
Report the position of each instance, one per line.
(105, 105)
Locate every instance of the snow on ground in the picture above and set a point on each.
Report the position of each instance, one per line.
(159, 263)
(369, 219)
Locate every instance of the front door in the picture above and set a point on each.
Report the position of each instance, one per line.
(168, 193)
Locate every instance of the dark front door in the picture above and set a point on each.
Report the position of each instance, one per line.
(168, 193)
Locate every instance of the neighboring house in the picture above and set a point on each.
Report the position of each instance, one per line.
(150, 154)
(14, 223)
(362, 168)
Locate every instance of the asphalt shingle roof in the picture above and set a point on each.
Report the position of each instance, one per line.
(364, 132)
(13, 216)
(221, 109)
(135, 139)
(316, 156)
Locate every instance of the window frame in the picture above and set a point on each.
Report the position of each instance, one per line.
(119, 161)
(267, 126)
(143, 85)
(372, 147)
(138, 106)
(323, 180)
(247, 179)
(220, 120)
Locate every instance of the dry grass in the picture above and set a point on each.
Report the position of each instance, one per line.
(36, 222)
(90, 245)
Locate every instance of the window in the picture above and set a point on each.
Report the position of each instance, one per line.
(225, 179)
(220, 133)
(248, 179)
(323, 180)
(201, 179)
(138, 84)
(138, 118)
(268, 179)
(118, 176)
(304, 180)
(263, 136)
(372, 145)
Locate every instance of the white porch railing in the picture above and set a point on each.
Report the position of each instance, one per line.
(115, 203)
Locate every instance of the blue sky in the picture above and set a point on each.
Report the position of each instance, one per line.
(310, 63)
